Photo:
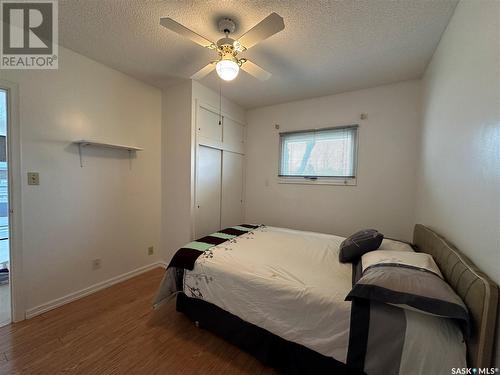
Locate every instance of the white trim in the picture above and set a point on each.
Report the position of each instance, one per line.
(194, 164)
(202, 141)
(15, 198)
(319, 181)
(30, 313)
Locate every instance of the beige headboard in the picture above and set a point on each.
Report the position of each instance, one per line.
(479, 293)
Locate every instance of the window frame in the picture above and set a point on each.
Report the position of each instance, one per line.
(321, 180)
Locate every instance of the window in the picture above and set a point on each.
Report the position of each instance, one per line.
(323, 154)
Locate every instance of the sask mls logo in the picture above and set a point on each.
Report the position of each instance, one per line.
(474, 371)
(29, 34)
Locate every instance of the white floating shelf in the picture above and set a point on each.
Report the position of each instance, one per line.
(86, 143)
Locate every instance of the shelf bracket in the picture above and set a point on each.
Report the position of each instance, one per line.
(80, 154)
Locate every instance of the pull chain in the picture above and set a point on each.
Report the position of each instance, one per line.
(220, 102)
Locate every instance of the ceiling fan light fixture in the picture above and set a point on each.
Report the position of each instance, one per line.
(227, 69)
(228, 64)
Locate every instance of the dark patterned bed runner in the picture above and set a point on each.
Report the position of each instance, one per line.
(359, 326)
(186, 256)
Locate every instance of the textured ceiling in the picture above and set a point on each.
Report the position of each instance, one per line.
(327, 47)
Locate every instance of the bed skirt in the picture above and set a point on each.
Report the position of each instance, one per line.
(274, 351)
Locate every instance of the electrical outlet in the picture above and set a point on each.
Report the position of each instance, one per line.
(33, 178)
(151, 250)
(96, 264)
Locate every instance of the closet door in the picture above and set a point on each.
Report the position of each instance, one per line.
(208, 191)
(232, 189)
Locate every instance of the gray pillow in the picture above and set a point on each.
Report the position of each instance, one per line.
(359, 243)
(411, 288)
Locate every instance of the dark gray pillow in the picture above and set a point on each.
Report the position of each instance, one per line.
(413, 288)
(354, 246)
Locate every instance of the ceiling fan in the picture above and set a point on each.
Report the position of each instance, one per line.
(228, 64)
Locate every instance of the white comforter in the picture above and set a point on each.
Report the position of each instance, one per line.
(261, 276)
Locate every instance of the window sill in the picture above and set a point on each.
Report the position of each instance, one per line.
(319, 181)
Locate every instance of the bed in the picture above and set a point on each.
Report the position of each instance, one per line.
(280, 295)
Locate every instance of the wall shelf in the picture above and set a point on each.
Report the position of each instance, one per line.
(86, 143)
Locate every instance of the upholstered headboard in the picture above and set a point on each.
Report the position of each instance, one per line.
(479, 293)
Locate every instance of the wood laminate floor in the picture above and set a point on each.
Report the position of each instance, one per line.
(115, 331)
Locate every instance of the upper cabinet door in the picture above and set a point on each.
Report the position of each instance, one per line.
(233, 135)
(208, 125)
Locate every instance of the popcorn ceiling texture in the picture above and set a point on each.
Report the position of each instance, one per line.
(327, 47)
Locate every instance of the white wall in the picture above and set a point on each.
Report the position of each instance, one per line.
(176, 185)
(110, 209)
(459, 185)
(459, 177)
(384, 195)
(179, 141)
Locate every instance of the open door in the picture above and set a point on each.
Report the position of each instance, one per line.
(5, 290)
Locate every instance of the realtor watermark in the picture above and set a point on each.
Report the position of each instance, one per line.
(29, 37)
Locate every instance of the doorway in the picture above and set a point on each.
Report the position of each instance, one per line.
(5, 287)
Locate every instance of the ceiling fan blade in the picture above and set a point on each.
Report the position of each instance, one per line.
(255, 70)
(176, 27)
(270, 25)
(203, 71)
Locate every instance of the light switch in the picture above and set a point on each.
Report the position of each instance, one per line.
(33, 178)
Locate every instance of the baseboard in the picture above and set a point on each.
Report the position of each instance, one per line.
(30, 313)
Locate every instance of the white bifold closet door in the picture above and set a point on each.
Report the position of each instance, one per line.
(219, 190)
(232, 189)
(208, 191)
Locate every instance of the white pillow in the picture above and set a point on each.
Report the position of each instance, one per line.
(403, 258)
(394, 245)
